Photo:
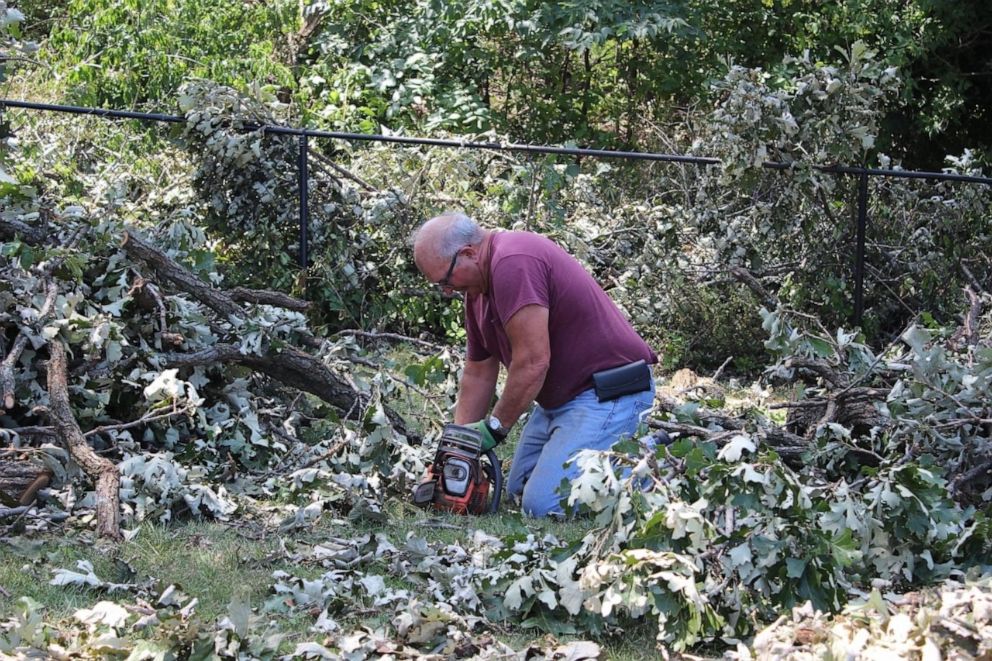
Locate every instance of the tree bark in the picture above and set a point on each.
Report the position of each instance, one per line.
(103, 472)
(266, 297)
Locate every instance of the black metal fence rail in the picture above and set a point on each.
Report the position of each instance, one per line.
(303, 166)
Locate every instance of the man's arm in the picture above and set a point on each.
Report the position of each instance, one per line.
(476, 390)
(527, 331)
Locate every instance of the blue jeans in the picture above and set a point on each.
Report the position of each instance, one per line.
(552, 437)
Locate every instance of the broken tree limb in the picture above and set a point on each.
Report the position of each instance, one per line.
(752, 283)
(295, 369)
(266, 297)
(20, 482)
(7, 512)
(788, 445)
(169, 270)
(10, 229)
(289, 365)
(102, 471)
(818, 367)
(343, 172)
(967, 334)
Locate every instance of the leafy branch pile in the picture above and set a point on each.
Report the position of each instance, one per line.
(156, 348)
(956, 619)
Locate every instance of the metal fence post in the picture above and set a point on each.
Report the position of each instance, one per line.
(303, 167)
(859, 259)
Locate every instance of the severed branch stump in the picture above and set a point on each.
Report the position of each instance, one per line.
(103, 472)
(20, 482)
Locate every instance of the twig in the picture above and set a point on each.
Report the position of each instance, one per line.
(719, 371)
(343, 172)
(420, 391)
(327, 455)
(135, 423)
(390, 336)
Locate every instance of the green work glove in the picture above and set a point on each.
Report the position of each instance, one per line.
(490, 437)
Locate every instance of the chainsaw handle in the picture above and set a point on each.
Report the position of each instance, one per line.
(497, 479)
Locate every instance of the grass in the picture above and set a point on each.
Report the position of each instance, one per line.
(220, 564)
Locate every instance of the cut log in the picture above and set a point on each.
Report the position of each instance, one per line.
(857, 415)
(20, 482)
(102, 471)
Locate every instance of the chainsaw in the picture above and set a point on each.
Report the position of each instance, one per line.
(459, 480)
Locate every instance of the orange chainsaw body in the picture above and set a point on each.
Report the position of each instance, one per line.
(458, 480)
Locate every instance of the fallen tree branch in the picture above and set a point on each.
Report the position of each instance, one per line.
(788, 446)
(818, 367)
(20, 481)
(343, 172)
(169, 270)
(102, 471)
(962, 481)
(148, 298)
(10, 229)
(784, 442)
(288, 365)
(968, 332)
(135, 423)
(752, 283)
(7, 512)
(293, 368)
(266, 297)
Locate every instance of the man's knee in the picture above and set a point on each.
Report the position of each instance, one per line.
(538, 500)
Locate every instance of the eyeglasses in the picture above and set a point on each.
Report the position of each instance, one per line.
(443, 282)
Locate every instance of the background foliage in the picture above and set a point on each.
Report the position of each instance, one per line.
(709, 539)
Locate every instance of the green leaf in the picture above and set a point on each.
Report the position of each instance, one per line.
(795, 567)
(821, 348)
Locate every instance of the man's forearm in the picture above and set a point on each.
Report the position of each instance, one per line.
(475, 391)
(523, 382)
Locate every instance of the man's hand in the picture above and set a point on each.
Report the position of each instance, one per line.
(489, 437)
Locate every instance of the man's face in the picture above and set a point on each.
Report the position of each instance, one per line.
(458, 274)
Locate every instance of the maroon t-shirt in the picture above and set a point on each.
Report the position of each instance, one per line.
(588, 333)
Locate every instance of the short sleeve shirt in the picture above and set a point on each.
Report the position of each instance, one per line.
(587, 331)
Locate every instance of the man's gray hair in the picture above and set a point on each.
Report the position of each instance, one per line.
(461, 232)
